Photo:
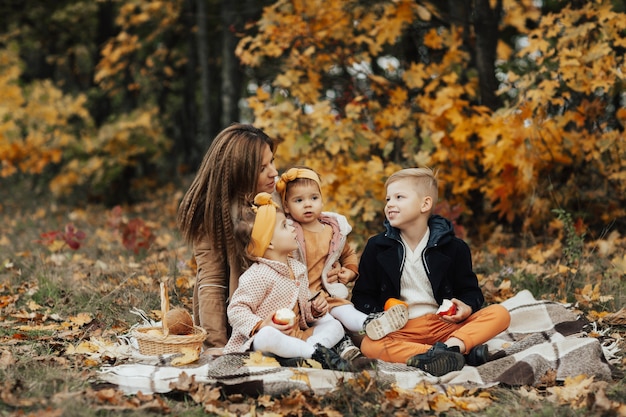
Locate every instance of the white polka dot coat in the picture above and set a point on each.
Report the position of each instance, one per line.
(264, 288)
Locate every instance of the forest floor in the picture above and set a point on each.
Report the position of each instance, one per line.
(70, 275)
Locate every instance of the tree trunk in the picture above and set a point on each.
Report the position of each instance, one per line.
(231, 70)
(205, 121)
(459, 12)
(486, 29)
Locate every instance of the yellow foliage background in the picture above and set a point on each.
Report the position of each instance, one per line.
(535, 154)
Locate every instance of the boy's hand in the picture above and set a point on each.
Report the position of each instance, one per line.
(463, 311)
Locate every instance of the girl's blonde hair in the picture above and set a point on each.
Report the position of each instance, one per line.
(424, 179)
(243, 237)
(226, 181)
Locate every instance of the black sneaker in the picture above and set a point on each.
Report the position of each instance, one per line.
(362, 363)
(379, 325)
(477, 355)
(347, 350)
(297, 362)
(329, 359)
(439, 360)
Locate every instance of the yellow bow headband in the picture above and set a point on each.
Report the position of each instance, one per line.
(264, 222)
(292, 175)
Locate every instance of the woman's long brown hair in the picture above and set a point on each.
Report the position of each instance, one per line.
(226, 180)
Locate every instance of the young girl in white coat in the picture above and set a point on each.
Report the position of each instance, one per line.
(275, 281)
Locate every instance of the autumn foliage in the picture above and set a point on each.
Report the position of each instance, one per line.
(355, 90)
(558, 142)
(48, 133)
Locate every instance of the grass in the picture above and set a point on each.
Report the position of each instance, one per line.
(43, 288)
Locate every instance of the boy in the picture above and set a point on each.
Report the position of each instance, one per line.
(420, 261)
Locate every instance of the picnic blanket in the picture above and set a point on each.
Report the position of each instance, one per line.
(545, 341)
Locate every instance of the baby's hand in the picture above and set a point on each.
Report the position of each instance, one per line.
(346, 275)
(319, 306)
(333, 274)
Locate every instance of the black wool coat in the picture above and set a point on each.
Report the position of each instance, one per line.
(447, 261)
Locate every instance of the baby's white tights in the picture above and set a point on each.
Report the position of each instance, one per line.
(349, 316)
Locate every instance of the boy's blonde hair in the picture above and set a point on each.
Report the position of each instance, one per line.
(424, 179)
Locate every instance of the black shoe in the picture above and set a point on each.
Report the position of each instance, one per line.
(329, 359)
(297, 362)
(477, 355)
(347, 349)
(439, 360)
(362, 363)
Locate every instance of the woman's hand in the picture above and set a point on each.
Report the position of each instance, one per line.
(463, 311)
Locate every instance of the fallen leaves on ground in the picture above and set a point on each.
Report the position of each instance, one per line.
(119, 260)
(579, 392)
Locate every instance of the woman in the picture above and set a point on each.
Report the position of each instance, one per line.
(238, 165)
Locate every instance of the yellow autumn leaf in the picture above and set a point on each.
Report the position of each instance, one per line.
(189, 355)
(4, 241)
(300, 377)
(258, 359)
(573, 389)
(81, 319)
(415, 75)
(620, 263)
(39, 328)
(85, 347)
(33, 306)
(91, 362)
(473, 403)
(56, 245)
(423, 13)
(618, 318)
(441, 403)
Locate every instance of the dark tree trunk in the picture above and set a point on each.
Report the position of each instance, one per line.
(486, 28)
(460, 13)
(231, 70)
(100, 108)
(204, 116)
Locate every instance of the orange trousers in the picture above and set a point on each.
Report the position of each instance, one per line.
(420, 333)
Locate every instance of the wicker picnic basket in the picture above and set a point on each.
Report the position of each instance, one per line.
(155, 341)
(155, 345)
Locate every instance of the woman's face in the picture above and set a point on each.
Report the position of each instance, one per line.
(266, 180)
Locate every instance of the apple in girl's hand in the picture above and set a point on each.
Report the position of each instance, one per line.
(447, 308)
(284, 316)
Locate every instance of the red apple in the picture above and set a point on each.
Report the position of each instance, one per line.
(284, 316)
(447, 308)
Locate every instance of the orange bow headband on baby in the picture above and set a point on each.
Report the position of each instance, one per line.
(263, 228)
(292, 175)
